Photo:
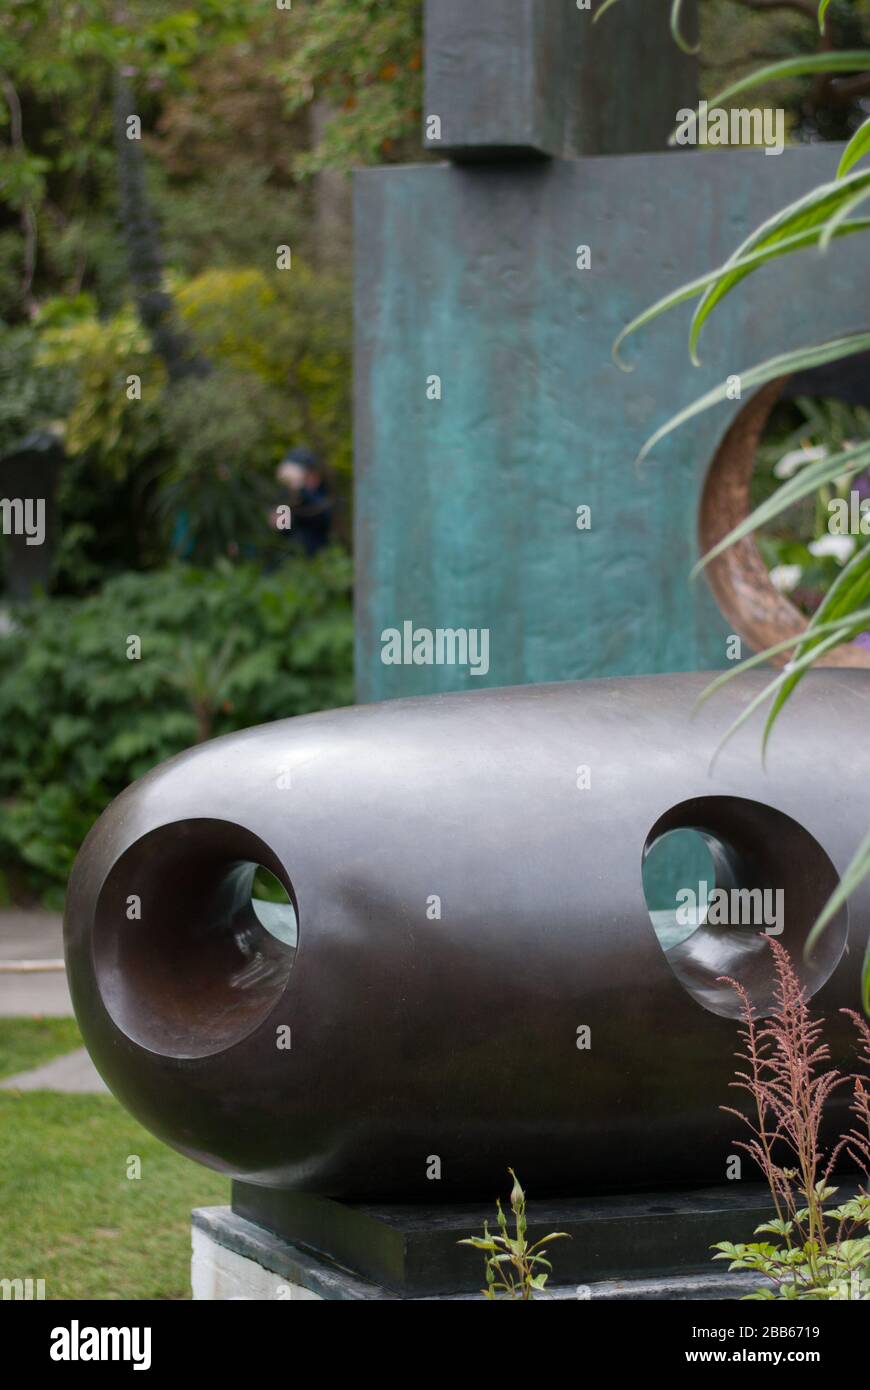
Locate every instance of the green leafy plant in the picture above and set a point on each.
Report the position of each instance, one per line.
(821, 1252)
(364, 62)
(514, 1267)
(221, 649)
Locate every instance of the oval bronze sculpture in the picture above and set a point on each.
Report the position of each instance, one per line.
(476, 977)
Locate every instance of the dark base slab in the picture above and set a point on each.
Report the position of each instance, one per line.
(412, 1251)
(300, 1272)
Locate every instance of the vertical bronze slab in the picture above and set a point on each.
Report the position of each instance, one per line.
(538, 77)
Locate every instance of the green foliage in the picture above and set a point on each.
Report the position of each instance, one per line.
(118, 430)
(799, 478)
(29, 398)
(800, 1270)
(202, 455)
(222, 649)
(514, 1268)
(290, 329)
(217, 489)
(203, 229)
(56, 64)
(364, 62)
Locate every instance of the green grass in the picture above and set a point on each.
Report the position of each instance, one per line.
(28, 1042)
(70, 1215)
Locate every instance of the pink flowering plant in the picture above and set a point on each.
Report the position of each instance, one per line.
(813, 1250)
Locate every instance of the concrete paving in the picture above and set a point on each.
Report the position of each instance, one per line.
(33, 982)
(73, 1072)
(33, 936)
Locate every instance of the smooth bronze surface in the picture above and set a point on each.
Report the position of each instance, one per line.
(466, 873)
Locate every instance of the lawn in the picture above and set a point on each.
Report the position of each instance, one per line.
(28, 1042)
(69, 1214)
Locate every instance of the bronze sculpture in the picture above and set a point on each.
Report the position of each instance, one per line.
(476, 980)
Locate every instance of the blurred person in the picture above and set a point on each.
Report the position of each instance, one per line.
(306, 491)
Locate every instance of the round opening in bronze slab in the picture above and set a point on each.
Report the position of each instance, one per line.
(761, 874)
(739, 578)
(194, 939)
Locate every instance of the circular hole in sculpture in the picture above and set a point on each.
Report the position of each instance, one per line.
(769, 583)
(806, 547)
(676, 859)
(721, 874)
(195, 935)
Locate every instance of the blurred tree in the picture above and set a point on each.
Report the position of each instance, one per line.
(737, 35)
(362, 60)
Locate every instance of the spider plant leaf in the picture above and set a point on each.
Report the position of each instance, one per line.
(854, 874)
(829, 231)
(759, 658)
(823, 10)
(805, 65)
(846, 598)
(808, 480)
(858, 146)
(676, 31)
(797, 666)
(602, 9)
(783, 364)
(757, 257)
(811, 212)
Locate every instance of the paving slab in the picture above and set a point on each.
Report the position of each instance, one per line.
(30, 934)
(74, 1072)
(33, 936)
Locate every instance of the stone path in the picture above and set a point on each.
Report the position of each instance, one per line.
(73, 1072)
(33, 982)
(32, 936)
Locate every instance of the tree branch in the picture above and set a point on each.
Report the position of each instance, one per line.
(28, 216)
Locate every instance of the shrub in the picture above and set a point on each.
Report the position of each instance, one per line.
(822, 1252)
(221, 649)
(514, 1266)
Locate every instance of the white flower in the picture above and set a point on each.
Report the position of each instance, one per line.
(840, 547)
(784, 578)
(789, 464)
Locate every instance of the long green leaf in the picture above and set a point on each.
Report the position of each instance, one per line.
(602, 9)
(856, 871)
(798, 360)
(823, 10)
(812, 210)
(755, 258)
(846, 597)
(847, 60)
(839, 218)
(807, 481)
(797, 665)
(858, 146)
(676, 31)
(776, 650)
